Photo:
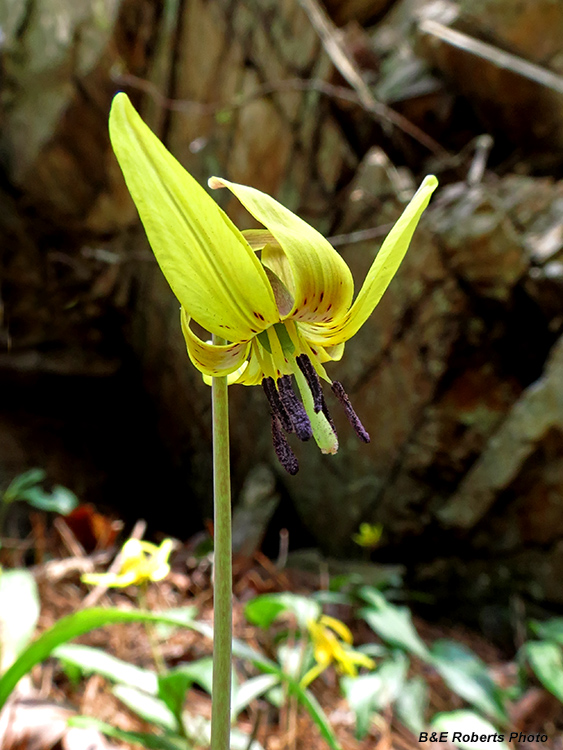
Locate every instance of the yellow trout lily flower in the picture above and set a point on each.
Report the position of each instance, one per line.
(281, 298)
(141, 562)
(332, 643)
(368, 535)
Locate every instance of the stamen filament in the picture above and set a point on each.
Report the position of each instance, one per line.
(341, 395)
(304, 364)
(294, 408)
(277, 408)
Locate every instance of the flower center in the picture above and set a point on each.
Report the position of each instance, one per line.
(282, 355)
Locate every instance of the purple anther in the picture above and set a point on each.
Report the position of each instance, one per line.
(306, 367)
(341, 395)
(276, 406)
(294, 408)
(286, 456)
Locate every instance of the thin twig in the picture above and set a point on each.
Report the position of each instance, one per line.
(494, 55)
(363, 99)
(56, 570)
(265, 89)
(330, 39)
(68, 538)
(362, 235)
(483, 146)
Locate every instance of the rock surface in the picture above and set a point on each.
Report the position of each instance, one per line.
(505, 58)
(452, 375)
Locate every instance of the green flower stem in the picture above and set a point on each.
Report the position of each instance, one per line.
(151, 633)
(222, 568)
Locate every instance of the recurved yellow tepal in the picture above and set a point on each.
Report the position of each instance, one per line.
(280, 297)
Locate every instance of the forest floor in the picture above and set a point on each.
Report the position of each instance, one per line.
(189, 583)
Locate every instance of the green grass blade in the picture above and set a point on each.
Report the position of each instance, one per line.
(71, 627)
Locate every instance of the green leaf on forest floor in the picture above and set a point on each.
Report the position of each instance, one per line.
(172, 688)
(373, 692)
(26, 487)
(264, 609)
(84, 621)
(411, 704)
(91, 660)
(145, 739)
(551, 630)
(469, 677)
(546, 659)
(466, 724)
(19, 612)
(391, 623)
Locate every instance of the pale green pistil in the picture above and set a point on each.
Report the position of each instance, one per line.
(306, 417)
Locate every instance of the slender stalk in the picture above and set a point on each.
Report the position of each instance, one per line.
(151, 632)
(222, 568)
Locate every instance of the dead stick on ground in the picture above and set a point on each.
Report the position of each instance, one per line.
(329, 36)
(69, 539)
(500, 58)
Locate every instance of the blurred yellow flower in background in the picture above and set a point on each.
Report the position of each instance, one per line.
(332, 643)
(368, 535)
(141, 562)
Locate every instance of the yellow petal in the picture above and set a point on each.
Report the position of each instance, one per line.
(257, 238)
(334, 352)
(338, 626)
(384, 267)
(207, 262)
(346, 665)
(212, 359)
(159, 567)
(362, 660)
(322, 284)
(111, 580)
(132, 551)
(253, 373)
(164, 550)
(312, 674)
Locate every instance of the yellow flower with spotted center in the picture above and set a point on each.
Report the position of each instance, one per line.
(141, 562)
(281, 297)
(332, 644)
